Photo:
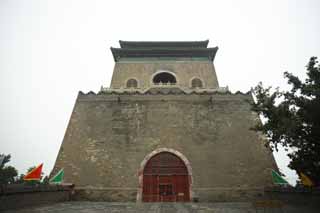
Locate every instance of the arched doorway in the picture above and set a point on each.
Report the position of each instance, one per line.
(165, 178)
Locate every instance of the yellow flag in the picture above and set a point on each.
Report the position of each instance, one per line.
(306, 181)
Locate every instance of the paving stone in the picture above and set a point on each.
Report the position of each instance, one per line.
(107, 207)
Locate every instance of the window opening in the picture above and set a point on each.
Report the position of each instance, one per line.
(164, 78)
(196, 83)
(132, 83)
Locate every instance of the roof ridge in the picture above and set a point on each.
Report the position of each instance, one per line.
(139, 44)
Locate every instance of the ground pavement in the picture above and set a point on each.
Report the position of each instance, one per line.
(98, 207)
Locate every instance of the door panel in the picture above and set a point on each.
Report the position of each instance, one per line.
(165, 179)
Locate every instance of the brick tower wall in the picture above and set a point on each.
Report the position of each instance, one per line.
(108, 137)
(184, 72)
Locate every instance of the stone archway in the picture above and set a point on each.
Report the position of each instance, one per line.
(174, 183)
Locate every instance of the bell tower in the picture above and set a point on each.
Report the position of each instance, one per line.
(164, 131)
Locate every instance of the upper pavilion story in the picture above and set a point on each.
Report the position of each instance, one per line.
(142, 65)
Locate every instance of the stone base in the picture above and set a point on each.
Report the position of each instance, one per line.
(199, 194)
(227, 194)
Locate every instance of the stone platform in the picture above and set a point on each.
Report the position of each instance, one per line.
(97, 207)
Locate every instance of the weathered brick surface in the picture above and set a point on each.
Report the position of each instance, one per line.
(184, 71)
(108, 137)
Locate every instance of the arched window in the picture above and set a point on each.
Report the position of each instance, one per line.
(164, 77)
(196, 83)
(132, 83)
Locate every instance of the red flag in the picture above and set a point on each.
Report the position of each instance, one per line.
(34, 174)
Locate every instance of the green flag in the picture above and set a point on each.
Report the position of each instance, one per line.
(277, 179)
(58, 178)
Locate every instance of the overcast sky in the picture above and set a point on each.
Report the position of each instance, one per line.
(50, 50)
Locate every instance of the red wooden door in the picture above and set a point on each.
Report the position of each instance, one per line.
(165, 179)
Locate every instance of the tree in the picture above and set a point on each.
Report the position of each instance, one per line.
(45, 180)
(7, 173)
(19, 179)
(293, 119)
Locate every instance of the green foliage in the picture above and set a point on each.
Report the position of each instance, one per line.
(19, 179)
(293, 119)
(7, 173)
(45, 180)
(6, 159)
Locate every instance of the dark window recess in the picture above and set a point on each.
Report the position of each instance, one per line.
(132, 83)
(164, 77)
(165, 189)
(196, 83)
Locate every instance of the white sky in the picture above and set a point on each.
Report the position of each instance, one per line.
(49, 50)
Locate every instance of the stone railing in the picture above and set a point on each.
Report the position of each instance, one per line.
(165, 85)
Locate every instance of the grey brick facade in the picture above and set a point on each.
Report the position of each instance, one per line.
(110, 134)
